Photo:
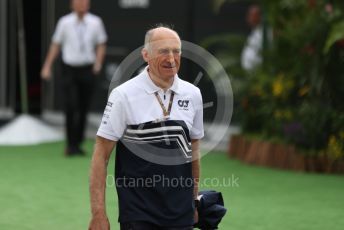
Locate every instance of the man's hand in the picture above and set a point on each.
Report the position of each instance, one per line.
(99, 222)
(96, 68)
(46, 73)
(196, 216)
(54, 50)
(100, 54)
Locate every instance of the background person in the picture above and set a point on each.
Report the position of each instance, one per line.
(251, 54)
(82, 37)
(150, 115)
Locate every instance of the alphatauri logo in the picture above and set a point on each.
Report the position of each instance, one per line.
(183, 103)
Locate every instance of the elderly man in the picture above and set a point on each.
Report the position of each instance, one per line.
(155, 120)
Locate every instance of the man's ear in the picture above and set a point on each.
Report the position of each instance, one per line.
(145, 55)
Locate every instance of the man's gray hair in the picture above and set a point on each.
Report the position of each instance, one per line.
(150, 32)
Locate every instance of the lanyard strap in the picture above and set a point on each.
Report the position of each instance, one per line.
(168, 111)
(81, 30)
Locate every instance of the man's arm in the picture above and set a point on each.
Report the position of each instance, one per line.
(54, 50)
(195, 165)
(100, 54)
(196, 154)
(100, 159)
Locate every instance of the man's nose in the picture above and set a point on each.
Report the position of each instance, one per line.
(170, 57)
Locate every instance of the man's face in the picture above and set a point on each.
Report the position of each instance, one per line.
(80, 6)
(163, 55)
(253, 16)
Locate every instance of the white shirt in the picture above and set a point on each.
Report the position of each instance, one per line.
(251, 56)
(134, 103)
(79, 38)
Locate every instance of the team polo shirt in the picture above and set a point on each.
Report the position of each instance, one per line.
(134, 103)
(78, 38)
(153, 169)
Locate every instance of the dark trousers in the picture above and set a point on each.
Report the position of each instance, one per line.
(77, 88)
(140, 225)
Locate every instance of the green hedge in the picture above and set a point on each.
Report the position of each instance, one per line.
(297, 94)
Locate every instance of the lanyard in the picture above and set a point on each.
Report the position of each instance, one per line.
(168, 111)
(81, 31)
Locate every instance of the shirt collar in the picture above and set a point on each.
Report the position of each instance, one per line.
(151, 88)
(75, 15)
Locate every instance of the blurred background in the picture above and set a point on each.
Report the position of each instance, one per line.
(285, 61)
(125, 22)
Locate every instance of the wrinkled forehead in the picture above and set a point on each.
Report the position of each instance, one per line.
(165, 43)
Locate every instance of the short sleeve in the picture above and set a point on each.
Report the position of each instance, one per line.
(59, 32)
(101, 33)
(197, 130)
(113, 122)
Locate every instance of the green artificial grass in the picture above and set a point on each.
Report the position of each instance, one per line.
(41, 189)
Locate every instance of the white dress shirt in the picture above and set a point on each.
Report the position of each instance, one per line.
(78, 38)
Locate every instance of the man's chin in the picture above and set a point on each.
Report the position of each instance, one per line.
(170, 75)
(170, 71)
